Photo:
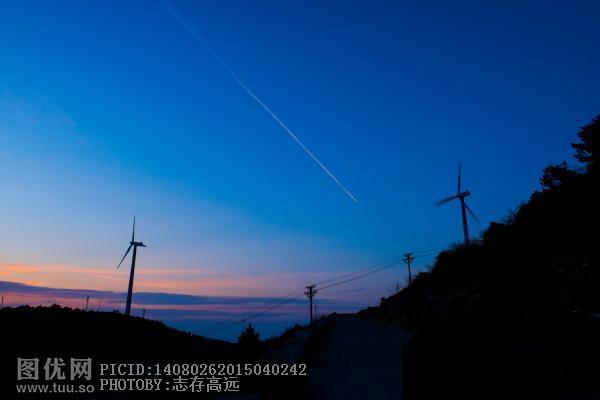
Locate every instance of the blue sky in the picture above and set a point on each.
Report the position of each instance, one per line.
(110, 109)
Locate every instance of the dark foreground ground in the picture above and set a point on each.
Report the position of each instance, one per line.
(58, 335)
(555, 356)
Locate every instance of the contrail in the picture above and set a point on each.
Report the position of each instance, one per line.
(250, 93)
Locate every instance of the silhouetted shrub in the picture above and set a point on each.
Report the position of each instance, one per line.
(249, 342)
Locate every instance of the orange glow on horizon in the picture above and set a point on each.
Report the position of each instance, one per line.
(172, 280)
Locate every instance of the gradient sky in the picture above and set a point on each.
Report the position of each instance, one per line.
(110, 109)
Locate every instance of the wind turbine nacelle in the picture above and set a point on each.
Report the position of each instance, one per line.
(138, 244)
(463, 194)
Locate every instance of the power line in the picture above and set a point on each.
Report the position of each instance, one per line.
(431, 250)
(285, 299)
(236, 320)
(281, 303)
(360, 271)
(426, 252)
(294, 295)
(370, 272)
(281, 300)
(255, 315)
(389, 265)
(288, 298)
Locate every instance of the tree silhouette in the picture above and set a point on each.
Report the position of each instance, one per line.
(556, 175)
(249, 341)
(587, 150)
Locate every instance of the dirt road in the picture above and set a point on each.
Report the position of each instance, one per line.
(358, 359)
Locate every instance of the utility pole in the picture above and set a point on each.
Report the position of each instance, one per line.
(408, 259)
(87, 303)
(2, 303)
(99, 303)
(144, 313)
(397, 287)
(310, 293)
(243, 324)
(316, 315)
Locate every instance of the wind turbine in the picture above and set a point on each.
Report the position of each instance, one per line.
(464, 207)
(135, 245)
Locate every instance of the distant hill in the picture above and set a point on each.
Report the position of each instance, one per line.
(515, 311)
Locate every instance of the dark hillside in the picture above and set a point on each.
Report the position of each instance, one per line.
(33, 330)
(515, 310)
(49, 332)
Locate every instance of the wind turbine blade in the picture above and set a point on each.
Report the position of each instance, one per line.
(133, 233)
(459, 173)
(471, 212)
(444, 201)
(127, 252)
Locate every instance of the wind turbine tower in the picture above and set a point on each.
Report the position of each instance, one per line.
(464, 207)
(135, 245)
